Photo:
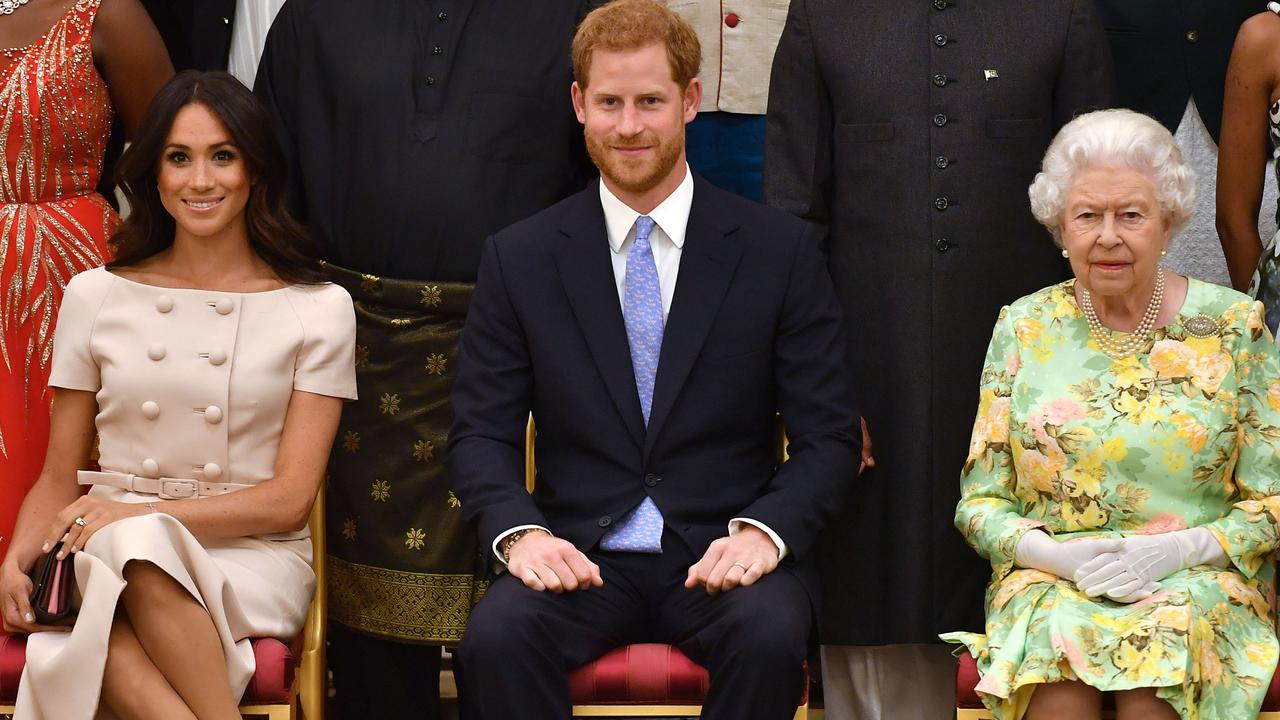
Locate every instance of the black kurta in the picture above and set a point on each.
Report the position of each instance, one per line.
(415, 129)
(912, 130)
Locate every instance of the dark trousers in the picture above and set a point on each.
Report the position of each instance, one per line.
(520, 644)
(383, 679)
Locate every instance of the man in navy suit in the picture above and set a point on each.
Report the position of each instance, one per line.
(655, 326)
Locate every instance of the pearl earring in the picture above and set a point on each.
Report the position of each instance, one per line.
(1163, 253)
(1064, 253)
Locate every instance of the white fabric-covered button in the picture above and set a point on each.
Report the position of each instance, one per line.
(217, 357)
(156, 352)
(212, 471)
(164, 303)
(150, 468)
(150, 410)
(224, 306)
(213, 414)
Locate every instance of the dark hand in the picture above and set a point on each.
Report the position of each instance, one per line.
(868, 460)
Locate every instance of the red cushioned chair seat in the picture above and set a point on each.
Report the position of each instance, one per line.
(645, 674)
(967, 678)
(13, 655)
(270, 684)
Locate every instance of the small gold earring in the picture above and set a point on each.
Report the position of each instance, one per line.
(1164, 253)
(1064, 253)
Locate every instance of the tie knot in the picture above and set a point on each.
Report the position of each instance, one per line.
(644, 226)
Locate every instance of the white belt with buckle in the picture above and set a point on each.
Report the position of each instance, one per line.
(165, 488)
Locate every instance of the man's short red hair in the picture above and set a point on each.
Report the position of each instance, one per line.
(634, 24)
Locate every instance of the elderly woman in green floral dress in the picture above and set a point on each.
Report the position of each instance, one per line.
(1123, 475)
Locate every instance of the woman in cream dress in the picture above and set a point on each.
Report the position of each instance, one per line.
(212, 362)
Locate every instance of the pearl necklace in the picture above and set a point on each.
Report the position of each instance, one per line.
(8, 6)
(1117, 349)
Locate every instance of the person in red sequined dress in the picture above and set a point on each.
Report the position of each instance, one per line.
(59, 59)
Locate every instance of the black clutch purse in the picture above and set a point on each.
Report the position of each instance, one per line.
(51, 592)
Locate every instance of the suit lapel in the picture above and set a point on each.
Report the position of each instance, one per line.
(586, 272)
(707, 264)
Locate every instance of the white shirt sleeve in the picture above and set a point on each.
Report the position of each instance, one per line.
(736, 524)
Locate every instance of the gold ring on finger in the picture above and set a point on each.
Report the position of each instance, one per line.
(81, 522)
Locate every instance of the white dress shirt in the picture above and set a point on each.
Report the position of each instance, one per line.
(670, 218)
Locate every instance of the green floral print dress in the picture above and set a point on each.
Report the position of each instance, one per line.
(1184, 434)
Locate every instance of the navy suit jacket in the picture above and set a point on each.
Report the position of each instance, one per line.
(753, 330)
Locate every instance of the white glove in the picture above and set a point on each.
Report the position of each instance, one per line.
(1145, 560)
(1121, 584)
(1038, 551)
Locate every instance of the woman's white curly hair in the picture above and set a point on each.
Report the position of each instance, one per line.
(1112, 137)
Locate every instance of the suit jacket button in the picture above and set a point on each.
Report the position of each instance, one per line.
(940, 39)
(1193, 36)
(940, 80)
(941, 162)
(652, 480)
(941, 203)
(940, 119)
(939, 5)
(605, 521)
(943, 245)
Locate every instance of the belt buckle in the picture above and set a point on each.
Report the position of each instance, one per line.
(177, 489)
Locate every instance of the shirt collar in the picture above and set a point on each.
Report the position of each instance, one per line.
(671, 216)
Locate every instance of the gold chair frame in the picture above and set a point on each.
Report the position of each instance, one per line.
(634, 711)
(308, 691)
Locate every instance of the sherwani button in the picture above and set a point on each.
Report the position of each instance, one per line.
(224, 306)
(212, 471)
(217, 357)
(605, 521)
(150, 468)
(164, 303)
(150, 410)
(156, 352)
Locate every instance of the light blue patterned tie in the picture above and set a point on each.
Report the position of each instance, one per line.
(641, 531)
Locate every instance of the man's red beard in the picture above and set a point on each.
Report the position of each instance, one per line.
(637, 175)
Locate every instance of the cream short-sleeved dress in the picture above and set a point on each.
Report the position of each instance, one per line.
(191, 384)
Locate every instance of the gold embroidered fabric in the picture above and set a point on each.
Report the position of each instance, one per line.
(55, 116)
(418, 607)
(404, 564)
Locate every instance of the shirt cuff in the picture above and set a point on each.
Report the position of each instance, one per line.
(735, 526)
(498, 540)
